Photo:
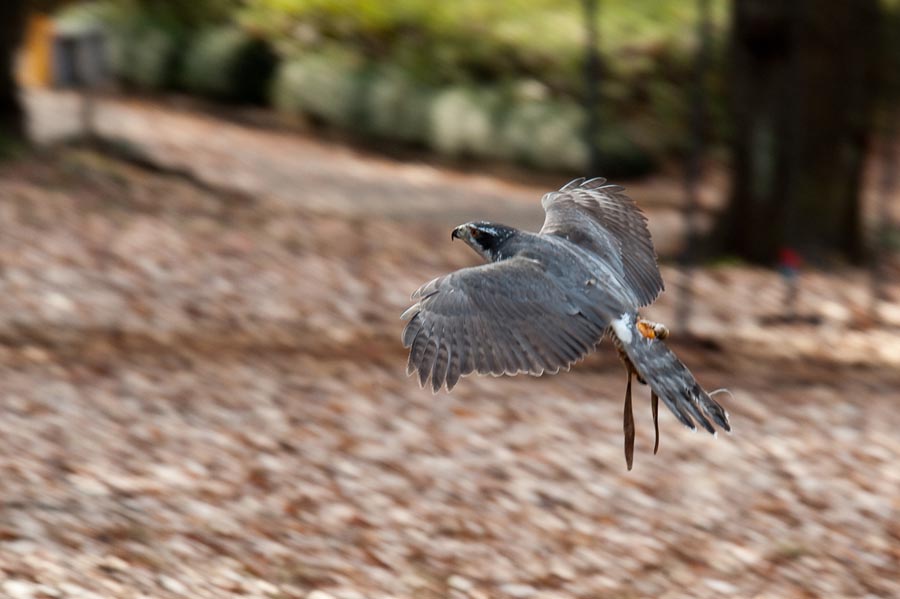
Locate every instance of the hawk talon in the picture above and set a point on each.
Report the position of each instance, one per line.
(652, 330)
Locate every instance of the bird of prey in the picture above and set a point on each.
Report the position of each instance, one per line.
(544, 300)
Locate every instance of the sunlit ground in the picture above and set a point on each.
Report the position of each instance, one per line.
(202, 393)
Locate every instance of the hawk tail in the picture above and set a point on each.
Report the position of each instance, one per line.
(668, 377)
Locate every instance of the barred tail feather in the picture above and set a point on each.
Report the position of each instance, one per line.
(669, 378)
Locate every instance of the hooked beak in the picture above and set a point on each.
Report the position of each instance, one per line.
(456, 232)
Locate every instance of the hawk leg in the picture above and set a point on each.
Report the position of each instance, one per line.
(654, 407)
(650, 330)
(653, 330)
(628, 425)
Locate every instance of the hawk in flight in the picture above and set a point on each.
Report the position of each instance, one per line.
(544, 300)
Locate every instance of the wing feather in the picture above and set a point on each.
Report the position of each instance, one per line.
(426, 364)
(500, 318)
(442, 358)
(602, 219)
(454, 370)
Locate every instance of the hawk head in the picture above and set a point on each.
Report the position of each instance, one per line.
(485, 238)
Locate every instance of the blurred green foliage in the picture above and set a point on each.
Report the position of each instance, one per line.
(648, 47)
(326, 86)
(182, 14)
(476, 40)
(518, 122)
(11, 147)
(446, 74)
(145, 54)
(172, 45)
(144, 45)
(494, 79)
(396, 106)
(468, 78)
(226, 63)
(472, 78)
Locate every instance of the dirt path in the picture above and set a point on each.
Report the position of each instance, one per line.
(202, 395)
(322, 176)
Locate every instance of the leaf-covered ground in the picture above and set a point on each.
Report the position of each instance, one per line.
(202, 394)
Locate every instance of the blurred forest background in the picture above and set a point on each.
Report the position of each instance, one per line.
(765, 85)
(213, 212)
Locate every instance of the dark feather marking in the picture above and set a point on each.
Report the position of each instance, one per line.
(411, 364)
(427, 361)
(441, 359)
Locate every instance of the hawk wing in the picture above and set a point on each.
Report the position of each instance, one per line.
(602, 219)
(500, 318)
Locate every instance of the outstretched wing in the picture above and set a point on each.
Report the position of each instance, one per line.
(602, 219)
(501, 318)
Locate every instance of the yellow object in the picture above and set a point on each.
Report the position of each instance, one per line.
(35, 67)
(646, 330)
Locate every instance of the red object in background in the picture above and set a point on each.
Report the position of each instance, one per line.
(789, 258)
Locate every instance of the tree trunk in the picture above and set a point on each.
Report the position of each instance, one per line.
(12, 17)
(803, 77)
